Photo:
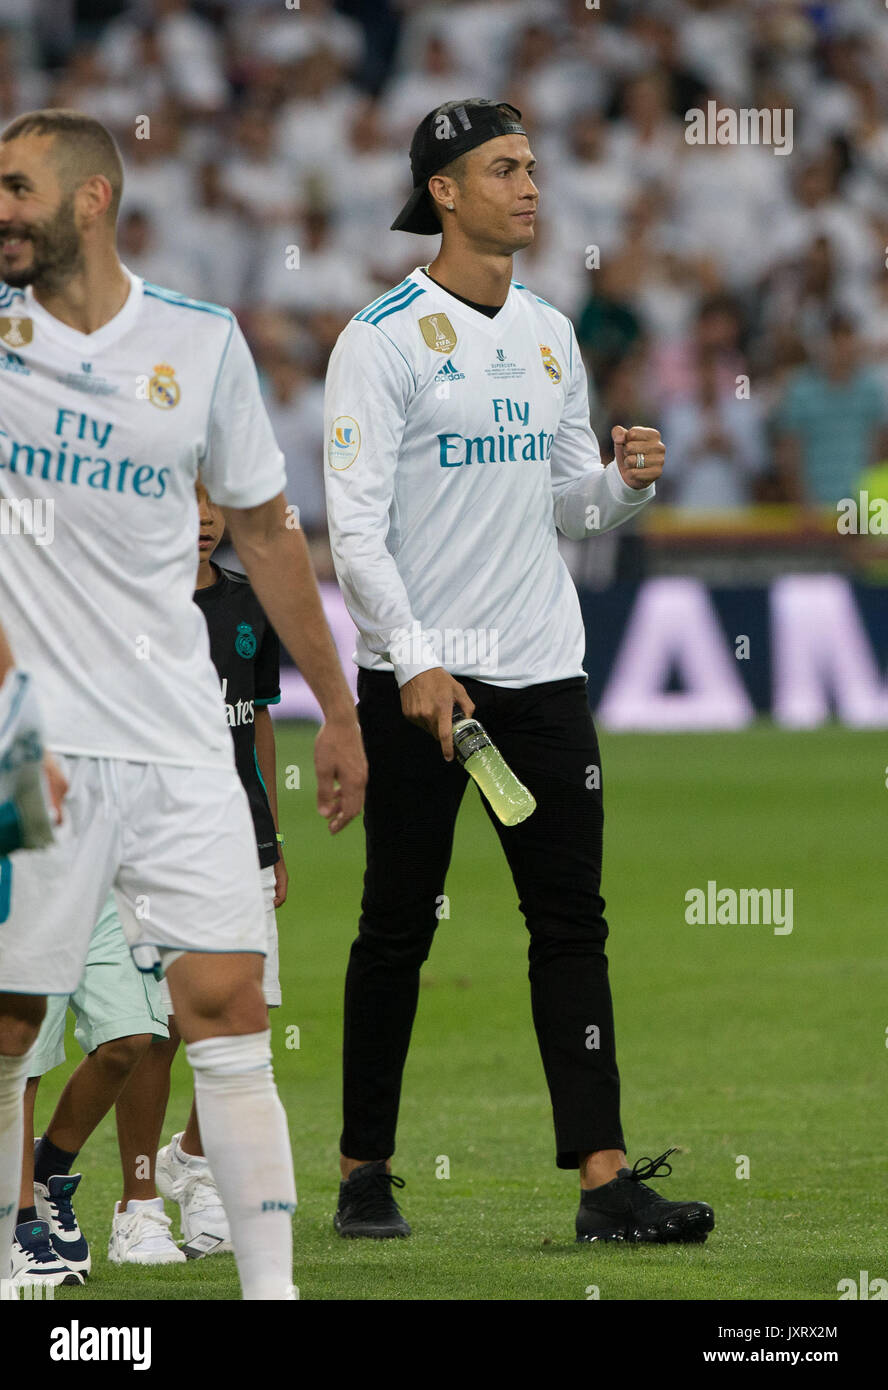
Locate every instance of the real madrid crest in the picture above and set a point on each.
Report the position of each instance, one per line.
(16, 331)
(550, 362)
(437, 330)
(163, 389)
(245, 641)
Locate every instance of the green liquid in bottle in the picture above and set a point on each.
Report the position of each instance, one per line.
(482, 760)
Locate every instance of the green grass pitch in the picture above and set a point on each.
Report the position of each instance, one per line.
(732, 1041)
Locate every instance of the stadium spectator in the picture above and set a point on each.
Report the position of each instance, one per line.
(719, 444)
(608, 327)
(415, 89)
(716, 335)
(322, 279)
(832, 422)
(259, 119)
(256, 180)
(295, 404)
(143, 254)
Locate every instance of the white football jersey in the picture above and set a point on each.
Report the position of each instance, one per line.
(101, 439)
(456, 445)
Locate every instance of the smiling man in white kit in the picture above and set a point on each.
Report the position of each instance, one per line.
(120, 392)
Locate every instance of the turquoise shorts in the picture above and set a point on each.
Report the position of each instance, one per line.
(113, 999)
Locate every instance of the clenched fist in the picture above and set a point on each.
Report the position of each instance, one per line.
(635, 443)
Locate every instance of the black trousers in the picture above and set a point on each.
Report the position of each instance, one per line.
(545, 733)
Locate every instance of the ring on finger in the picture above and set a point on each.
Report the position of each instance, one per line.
(639, 460)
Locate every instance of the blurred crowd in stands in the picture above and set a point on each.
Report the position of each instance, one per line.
(733, 296)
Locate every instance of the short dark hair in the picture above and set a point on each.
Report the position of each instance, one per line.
(82, 147)
(455, 170)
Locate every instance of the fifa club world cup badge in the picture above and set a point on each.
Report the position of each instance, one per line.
(16, 332)
(245, 641)
(163, 389)
(550, 363)
(437, 330)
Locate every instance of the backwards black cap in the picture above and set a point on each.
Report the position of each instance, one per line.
(442, 136)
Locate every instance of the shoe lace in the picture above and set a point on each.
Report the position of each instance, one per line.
(652, 1167)
(63, 1213)
(141, 1222)
(42, 1253)
(377, 1199)
(199, 1192)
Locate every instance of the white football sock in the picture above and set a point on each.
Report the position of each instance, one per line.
(183, 1156)
(13, 1075)
(245, 1138)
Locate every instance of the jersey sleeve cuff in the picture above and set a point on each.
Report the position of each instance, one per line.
(411, 652)
(262, 490)
(620, 489)
(405, 673)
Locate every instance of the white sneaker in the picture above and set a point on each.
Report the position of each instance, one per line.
(140, 1235)
(187, 1179)
(34, 1261)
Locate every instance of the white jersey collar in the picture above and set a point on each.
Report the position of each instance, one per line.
(89, 344)
(493, 327)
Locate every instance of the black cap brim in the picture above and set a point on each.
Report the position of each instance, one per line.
(416, 215)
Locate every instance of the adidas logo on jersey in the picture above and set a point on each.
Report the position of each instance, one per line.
(11, 362)
(449, 373)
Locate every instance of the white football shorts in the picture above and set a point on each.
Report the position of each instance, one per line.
(178, 848)
(271, 984)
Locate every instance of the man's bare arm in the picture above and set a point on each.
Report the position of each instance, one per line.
(266, 757)
(276, 559)
(6, 662)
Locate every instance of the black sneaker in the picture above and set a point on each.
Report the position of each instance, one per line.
(627, 1209)
(366, 1205)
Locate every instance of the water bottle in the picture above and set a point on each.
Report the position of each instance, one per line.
(482, 760)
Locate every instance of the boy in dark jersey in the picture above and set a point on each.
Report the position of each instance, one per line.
(246, 653)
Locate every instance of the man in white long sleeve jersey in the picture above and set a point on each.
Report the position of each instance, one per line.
(114, 394)
(458, 444)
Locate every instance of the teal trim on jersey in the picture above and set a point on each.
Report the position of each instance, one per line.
(8, 294)
(389, 294)
(400, 354)
(396, 308)
(380, 299)
(393, 303)
(231, 322)
(183, 302)
(6, 893)
(259, 773)
(519, 286)
(274, 700)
